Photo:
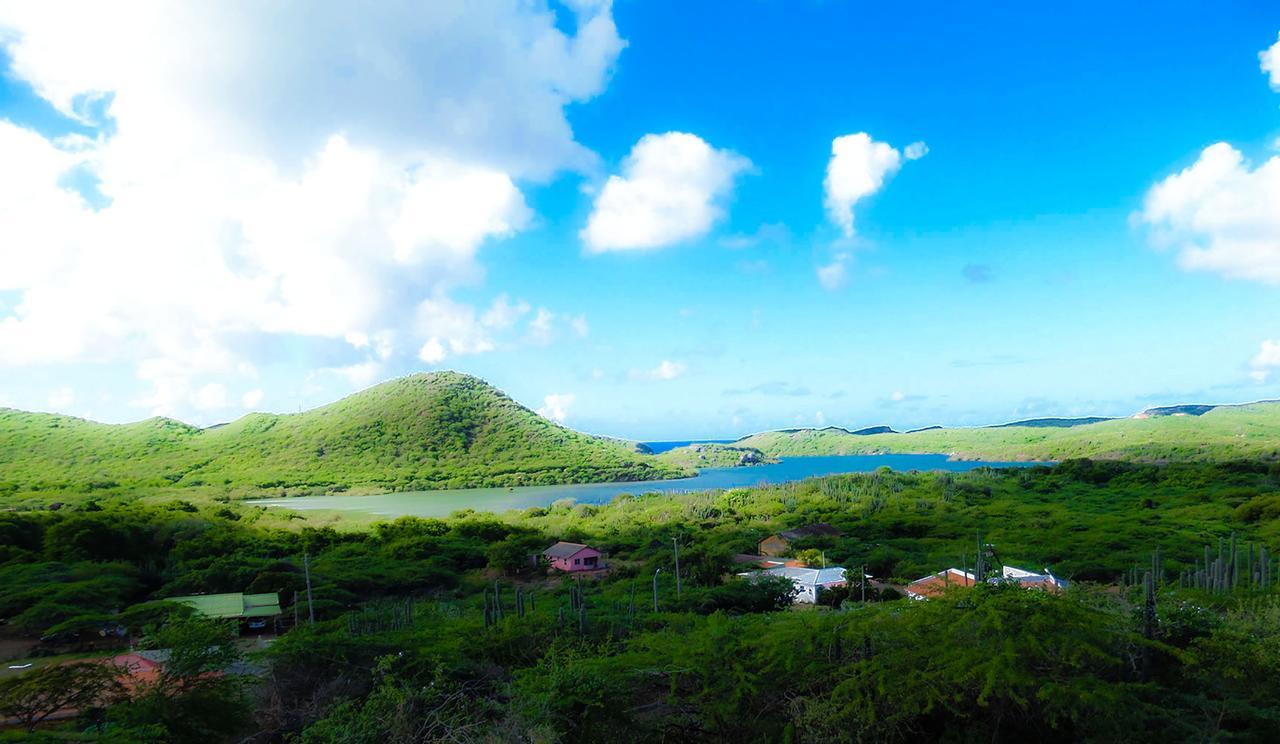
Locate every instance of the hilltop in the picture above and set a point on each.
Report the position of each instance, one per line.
(1155, 435)
(435, 430)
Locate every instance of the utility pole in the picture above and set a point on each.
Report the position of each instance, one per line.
(676, 544)
(655, 589)
(306, 568)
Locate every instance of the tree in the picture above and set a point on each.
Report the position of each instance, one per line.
(194, 699)
(810, 557)
(32, 697)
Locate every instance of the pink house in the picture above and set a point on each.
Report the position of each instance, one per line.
(567, 556)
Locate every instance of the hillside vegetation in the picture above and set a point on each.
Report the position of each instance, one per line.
(439, 430)
(1223, 433)
(501, 651)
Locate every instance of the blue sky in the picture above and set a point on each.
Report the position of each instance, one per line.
(621, 214)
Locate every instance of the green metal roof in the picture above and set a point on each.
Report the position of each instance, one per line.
(236, 604)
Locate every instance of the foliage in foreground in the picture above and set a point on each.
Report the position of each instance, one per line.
(721, 661)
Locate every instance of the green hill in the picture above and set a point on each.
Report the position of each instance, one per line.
(439, 430)
(1220, 433)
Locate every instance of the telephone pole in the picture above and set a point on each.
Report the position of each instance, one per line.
(655, 589)
(306, 568)
(676, 544)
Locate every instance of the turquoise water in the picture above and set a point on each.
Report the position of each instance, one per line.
(443, 503)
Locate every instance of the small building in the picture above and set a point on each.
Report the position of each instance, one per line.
(763, 561)
(570, 557)
(810, 582)
(1032, 580)
(935, 584)
(255, 611)
(782, 543)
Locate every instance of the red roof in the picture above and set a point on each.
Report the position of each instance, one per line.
(935, 584)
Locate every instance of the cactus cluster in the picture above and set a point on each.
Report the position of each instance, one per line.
(1223, 573)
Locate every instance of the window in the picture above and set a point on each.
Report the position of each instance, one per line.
(576, 561)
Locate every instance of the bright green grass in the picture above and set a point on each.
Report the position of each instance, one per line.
(1225, 433)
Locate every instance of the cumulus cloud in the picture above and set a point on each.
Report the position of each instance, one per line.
(858, 168)
(251, 399)
(504, 313)
(541, 330)
(672, 188)
(452, 329)
(286, 171)
(1270, 62)
(667, 370)
(1220, 215)
(555, 406)
(915, 151)
(1265, 361)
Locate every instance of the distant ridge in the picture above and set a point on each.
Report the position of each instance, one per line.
(874, 430)
(1054, 422)
(1160, 434)
(1184, 410)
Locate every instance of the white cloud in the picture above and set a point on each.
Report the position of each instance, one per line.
(834, 275)
(580, 326)
(433, 351)
(556, 406)
(667, 370)
(1265, 361)
(1220, 215)
(454, 325)
(859, 166)
(292, 169)
(210, 397)
(62, 398)
(672, 188)
(897, 396)
(503, 313)
(820, 418)
(915, 151)
(1269, 59)
(540, 328)
(251, 399)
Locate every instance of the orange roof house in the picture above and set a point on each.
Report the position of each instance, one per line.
(935, 584)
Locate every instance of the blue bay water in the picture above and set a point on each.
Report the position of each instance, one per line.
(444, 502)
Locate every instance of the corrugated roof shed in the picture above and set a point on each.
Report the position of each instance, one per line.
(819, 529)
(235, 604)
(564, 550)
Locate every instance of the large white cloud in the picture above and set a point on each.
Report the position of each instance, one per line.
(1270, 61)
(1220, 215)
(271, 170)
(858, 168)
(672, 188)
(1265, 361)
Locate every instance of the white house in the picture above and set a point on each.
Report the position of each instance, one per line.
(1043, 580)
(810, 582)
